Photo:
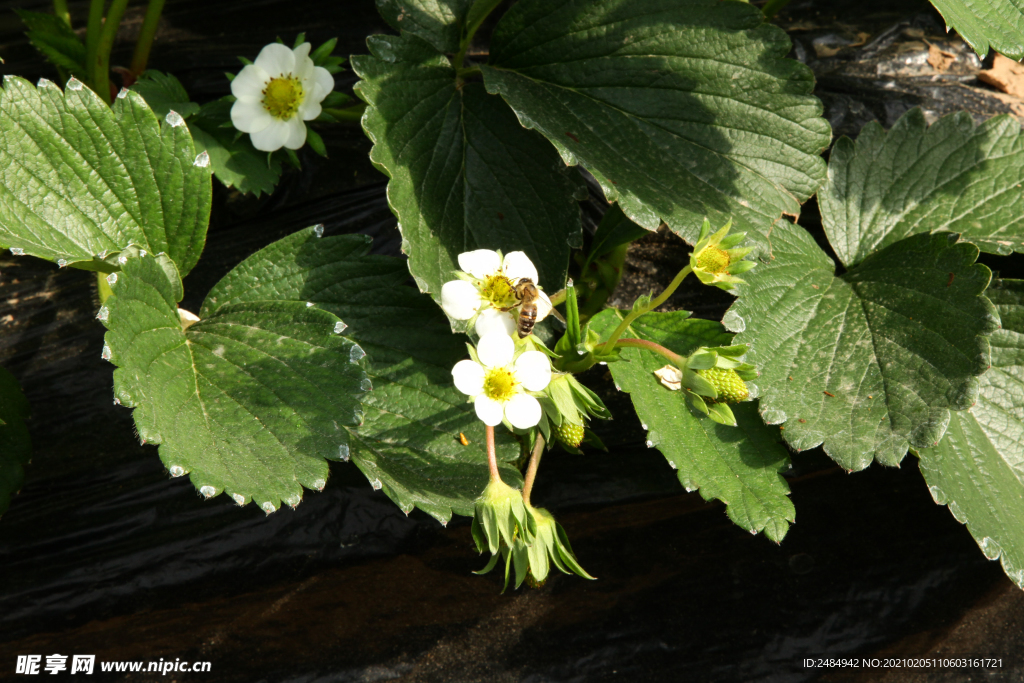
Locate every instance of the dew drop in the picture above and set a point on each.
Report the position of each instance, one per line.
(74, 84)
(207, 491)
(650, 444)
(343, 453)
(202, 160)
(117, 401)
(356, 354)
(174, 119)
(112, 278)
(318, 230)
(293, 501)
(568, 283)
(990, 547)
(319, 484)
(937, 495)
(603, 363)
(61, 263)
(142, 253)
(122, 260)
(689, 489)
(122, 93)
(102, 255)
(444, 523)
(340, 327)
(106, 353)
(44, 83)
(177, 471)
(376, 484)
(644, 425)
(366, 384)
(268, 507)
(103, 315)
(672, 465)
(17, 251)
(309, 304)
(239, 500)
(733, 321)
(618, 388)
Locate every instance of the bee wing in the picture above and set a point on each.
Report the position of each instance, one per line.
(544, 306)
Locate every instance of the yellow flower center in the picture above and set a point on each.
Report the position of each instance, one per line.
(500, 291)
(499, 384)
(713, 260)
(282, 97)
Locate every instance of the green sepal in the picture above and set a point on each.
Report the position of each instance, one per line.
(722, 414)
(315, 142)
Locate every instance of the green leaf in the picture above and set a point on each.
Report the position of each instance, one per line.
(739, 465)
(164, 93)
(235, 162)
(408, 444)
(873, 360)
(80, 181)
(953, 175)
(250, 400)
(682, 109)
(614, 230)
(15, 444)
(976, 469)
(995, 24)
(438, 22)
(55, 39)
(464, 173)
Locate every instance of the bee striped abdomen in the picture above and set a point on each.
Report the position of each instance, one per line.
(527, 293)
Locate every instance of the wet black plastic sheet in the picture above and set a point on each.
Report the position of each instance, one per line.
(103, 550)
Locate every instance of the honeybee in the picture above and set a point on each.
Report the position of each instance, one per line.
(528, 297)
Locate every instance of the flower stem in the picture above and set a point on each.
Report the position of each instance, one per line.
(492, 456)
(92, 37)
(101, 76)
(531, 471)
(348, 114)
(477, 13)
(60, 8)
(633, 315)
(146, 35)
(651, 346)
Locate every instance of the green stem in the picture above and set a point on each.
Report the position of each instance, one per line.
(146, 35)
(531, 471)
(633, 315)
(92, 37)
(60, 8)
(103, 286)
(101, 77)
(479, 11)
(492, 456)
(674, 358)
(772, 7)
(353, 113)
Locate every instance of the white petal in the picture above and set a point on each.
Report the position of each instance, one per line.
(459, 299)
(325, 80)
(533, 370)
(271, 138)
(544, 306)
(518, 265)
(490, 411)
(250, 82)
(296, 133)
(495, 350)
(303, 68)
(493, 320)
(276, 60)
(469, 377)
(250, 118)
(522, 411)
(309, 109)
(480, 263)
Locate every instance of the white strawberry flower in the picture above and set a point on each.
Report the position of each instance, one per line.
(276, 93)
(486, 290)
(498, 381)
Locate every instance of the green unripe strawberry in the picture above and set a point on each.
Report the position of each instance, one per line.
(570, 434)
(727, 383)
